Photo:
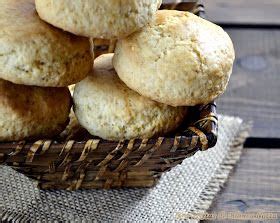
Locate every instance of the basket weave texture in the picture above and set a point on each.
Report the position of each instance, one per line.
(97, 163)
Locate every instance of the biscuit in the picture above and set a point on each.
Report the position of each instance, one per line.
(73, 130)
(104, 19)
(178, 59)
(107, 108)
(33, 52)
(28, 112)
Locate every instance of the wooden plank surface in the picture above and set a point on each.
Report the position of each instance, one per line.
(254, 184)
(256, 12)
(254, 89)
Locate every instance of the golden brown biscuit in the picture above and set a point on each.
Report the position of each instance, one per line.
(28, 112)
(178, 59)
(107, 108)
(104, 19)
(35, 53)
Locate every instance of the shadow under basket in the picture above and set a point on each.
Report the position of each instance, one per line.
(97, 163)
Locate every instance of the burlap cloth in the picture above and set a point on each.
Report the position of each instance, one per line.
(188, 188)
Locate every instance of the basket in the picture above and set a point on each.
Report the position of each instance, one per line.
(97, 163)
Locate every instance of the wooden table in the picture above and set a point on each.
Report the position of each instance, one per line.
(253, 94)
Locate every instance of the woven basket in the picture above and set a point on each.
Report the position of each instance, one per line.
(97, 163)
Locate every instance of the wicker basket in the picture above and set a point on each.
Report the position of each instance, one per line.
(97, 163)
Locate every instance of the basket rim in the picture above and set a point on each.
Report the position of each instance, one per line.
(206, 125)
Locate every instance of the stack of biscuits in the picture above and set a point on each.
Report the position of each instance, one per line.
(164, 62)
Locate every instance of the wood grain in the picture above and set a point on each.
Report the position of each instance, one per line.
(254, 89)
(254, 186)
(255, 12)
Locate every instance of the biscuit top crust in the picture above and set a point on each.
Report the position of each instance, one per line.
(178, 59)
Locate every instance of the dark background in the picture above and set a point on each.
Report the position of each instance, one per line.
(253, 94)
